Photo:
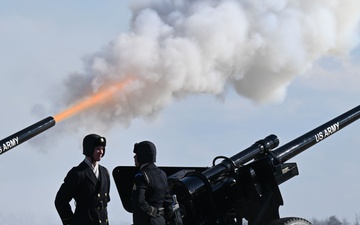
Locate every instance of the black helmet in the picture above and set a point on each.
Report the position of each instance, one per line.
(145, 152)
(90, 142)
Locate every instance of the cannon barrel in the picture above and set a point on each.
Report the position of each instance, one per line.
(298, 145)
(248, 154)
(25, 134)
(285, 152)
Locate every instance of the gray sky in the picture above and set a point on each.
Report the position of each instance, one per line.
(212, 81)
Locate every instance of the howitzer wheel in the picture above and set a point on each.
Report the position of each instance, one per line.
(291, 221)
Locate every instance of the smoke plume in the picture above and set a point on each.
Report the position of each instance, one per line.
(177, 48)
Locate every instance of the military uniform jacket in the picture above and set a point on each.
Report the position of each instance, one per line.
(150, 193)
(91, 196)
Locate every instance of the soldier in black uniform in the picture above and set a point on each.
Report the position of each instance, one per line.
(151, 199)
(89, 185)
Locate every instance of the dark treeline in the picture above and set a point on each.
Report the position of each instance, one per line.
(333, 220)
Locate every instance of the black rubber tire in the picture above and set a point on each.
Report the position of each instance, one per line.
(291, 221)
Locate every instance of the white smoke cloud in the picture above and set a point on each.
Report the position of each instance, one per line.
(180, 48)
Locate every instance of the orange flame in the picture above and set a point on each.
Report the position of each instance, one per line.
(91, 101)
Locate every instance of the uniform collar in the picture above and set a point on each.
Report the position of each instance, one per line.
(145, 164)
(95, 168)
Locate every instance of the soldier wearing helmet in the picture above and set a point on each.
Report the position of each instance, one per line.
(151, 199)
(89, 185)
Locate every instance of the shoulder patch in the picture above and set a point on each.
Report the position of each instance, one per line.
(142, 174)
(139, 174)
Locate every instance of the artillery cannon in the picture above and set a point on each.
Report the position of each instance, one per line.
(244, 186)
